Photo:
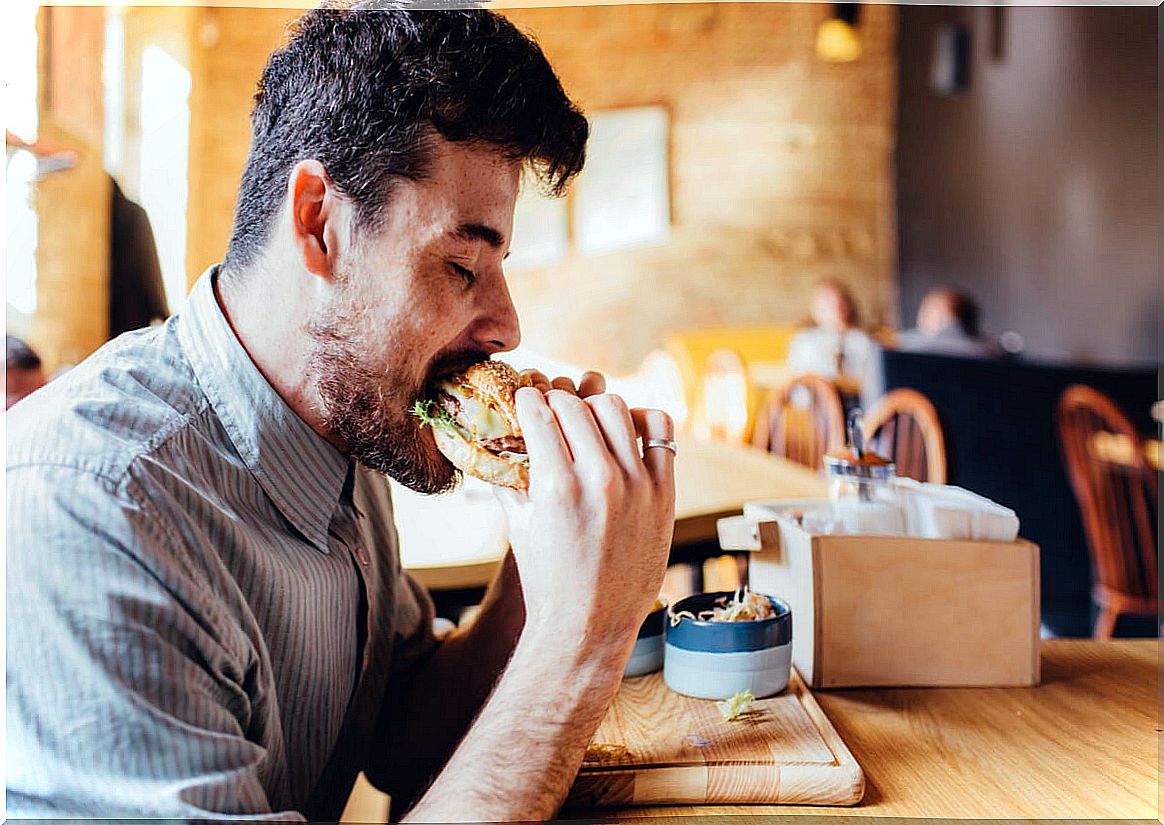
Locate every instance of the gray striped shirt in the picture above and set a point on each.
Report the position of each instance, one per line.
(206, 611)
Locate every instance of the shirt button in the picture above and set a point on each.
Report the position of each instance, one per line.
(362, 556)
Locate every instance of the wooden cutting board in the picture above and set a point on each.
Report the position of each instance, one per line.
(656, 747)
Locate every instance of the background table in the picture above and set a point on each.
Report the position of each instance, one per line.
(1082, 745)
(713, 479)
(452, 541)
(455, 541)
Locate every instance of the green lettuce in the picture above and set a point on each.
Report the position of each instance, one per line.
(432, 414)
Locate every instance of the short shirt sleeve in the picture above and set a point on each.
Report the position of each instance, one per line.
(413, 626)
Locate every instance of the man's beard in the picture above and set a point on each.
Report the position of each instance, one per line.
(368, 409)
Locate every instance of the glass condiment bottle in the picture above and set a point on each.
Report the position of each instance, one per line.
(862, 487)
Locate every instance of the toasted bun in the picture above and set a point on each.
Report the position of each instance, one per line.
(480, 463)
(494, 382)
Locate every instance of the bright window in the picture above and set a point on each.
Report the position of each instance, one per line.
(20, 225)
(165, 141)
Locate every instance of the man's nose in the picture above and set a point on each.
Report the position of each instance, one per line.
(498, 329)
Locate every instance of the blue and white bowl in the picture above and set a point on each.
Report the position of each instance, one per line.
(716, 660)
(647, 656)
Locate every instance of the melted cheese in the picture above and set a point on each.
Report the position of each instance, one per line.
(481, 420)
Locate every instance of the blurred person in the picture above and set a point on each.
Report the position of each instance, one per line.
(23, 371)
(947, 323)
(206, 608)
(835, 345)
(137, 297)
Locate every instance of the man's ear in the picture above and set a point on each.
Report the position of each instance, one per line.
(316, 214)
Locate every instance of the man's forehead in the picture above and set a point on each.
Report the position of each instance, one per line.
(444, 211)
(472, 161)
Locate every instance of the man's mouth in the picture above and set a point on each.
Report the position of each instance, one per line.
(444, 369)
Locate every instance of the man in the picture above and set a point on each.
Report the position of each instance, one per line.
(206, 612)
(23, 371)
(947, 323)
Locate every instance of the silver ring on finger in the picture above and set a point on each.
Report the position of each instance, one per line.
(665, 443)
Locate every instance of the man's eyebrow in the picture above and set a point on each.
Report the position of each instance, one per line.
(479, 232)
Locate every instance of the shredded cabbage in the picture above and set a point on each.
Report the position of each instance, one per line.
(745, 606)
(736, 706)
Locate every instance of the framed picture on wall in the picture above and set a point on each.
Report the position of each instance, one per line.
(622, 197)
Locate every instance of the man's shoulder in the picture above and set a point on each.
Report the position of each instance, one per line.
(118, 404)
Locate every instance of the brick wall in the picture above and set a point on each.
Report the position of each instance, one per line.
(780, 164)
(230, 48)
(780, 172)
(72, 256)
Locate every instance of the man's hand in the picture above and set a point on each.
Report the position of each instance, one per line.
(591, 383)
(591, 537)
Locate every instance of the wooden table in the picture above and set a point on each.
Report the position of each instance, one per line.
(1082, 745)
(713, 479)
(456, 541)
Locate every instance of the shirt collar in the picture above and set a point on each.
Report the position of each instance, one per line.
(301, 472)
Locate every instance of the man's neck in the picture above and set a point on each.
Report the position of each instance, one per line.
(270, 320)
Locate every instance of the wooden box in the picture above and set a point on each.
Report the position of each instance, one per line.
(895, 611)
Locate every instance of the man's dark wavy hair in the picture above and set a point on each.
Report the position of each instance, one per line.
(362, 89)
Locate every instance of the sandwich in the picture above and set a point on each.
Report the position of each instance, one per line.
(473, 419)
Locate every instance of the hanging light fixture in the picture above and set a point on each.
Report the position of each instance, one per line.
(837, 40)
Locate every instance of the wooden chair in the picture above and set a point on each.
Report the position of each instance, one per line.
(802, 420)
(1118, 500)
(903, 426)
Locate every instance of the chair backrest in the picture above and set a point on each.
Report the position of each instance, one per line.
(802, 420)
(692, 348)
(1117, 490)
(903, 426)
(998, 417)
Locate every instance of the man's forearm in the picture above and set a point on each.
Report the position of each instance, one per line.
(524, 749)
(595, 525)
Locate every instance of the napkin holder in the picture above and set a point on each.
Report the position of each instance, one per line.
(895, 611)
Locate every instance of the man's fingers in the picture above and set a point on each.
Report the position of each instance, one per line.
(537, 379)
(618, 429)
(660, 462)
(543, 437)
(579, 428)
(565, 384)
(592, 383)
